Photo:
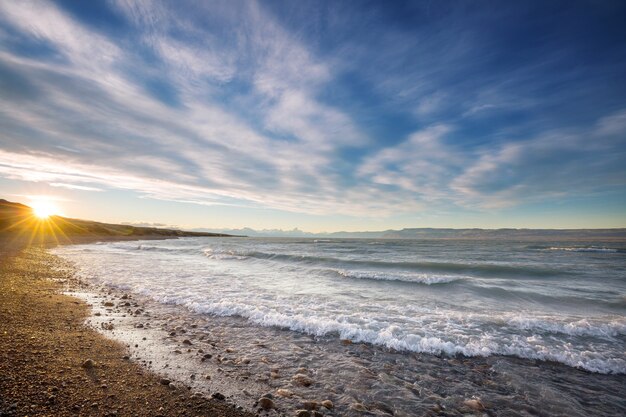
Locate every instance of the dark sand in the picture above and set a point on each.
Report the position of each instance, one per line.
(44, 347)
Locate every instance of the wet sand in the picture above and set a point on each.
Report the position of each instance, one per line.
(51, 364)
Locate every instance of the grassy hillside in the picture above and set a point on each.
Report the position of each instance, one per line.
(19, 220)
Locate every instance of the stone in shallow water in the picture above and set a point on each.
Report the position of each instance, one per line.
(328, 404)
(358, 407)
(107, 326)
(281, 392)
(475, 404)
(310, 405)
(266, 404)
(218, 396)
(302, 379)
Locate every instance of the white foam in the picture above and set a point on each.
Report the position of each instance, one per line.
(583, 249)
(581, 327)
(394, 337)
(422, 278)
(306, 299)
(223, 255)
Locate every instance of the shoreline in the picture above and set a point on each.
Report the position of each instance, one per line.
(360, 379)
(52, 363)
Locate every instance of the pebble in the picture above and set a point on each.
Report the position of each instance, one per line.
(328, 404)
(310, 405)
(108, 304)
(187, 342)
(281, 392)
(88, 364)
(303, 413)
(474, 404)
(107, 326)
(266, 404)
(357, 407)
(165, 381)
(302, 379)
(218, 396)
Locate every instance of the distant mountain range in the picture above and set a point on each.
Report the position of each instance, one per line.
(442, 233)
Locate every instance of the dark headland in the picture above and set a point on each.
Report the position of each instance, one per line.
(19, 222)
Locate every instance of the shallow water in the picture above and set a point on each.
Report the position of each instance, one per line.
(497, 315)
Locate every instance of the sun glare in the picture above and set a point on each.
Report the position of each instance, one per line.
(44, 209)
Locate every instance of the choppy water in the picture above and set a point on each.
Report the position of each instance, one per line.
(554, 301)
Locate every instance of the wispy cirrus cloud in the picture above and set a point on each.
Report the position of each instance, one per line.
(75, 186)
(320, 109)
(561, 163)
(203, 147)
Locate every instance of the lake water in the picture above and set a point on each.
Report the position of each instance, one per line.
(442, 305)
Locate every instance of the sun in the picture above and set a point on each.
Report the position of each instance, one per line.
(44, 209)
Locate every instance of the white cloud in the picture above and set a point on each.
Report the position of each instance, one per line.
(430, 104)
(552, 165)
(420, 165)
(429, 167)
(74, 186)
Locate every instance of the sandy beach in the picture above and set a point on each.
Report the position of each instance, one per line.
(53, 365)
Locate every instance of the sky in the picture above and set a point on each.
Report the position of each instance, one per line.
(320, 115)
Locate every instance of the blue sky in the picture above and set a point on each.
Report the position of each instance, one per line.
(318, 115)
